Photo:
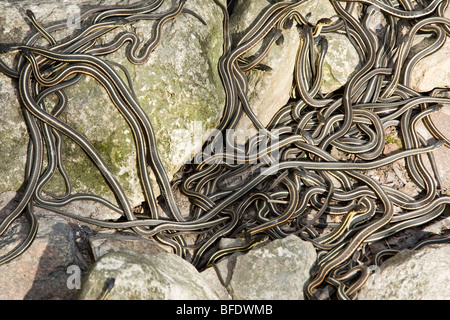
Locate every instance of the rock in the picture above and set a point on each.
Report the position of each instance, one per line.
(427, 74)
(41, 271)
(341, 61)
(432, 71)
(440, 119)
(269, 91)
(102, 244)
(179, 88)
(157, 276)
(210, 275)
(276, 271)
(412, 275)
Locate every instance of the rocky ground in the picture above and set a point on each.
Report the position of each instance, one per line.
(69, 259)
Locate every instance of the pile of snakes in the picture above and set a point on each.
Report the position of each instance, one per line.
(284, 180)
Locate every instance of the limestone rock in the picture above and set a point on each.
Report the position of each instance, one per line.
(179, 88)
(269, 91)
(157, 276)
(427, 74)
(276, 271)
(412, 275)
(341, 61)
(432, 71)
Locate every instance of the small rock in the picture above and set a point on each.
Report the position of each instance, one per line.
(438, 226)
(412, 275)
(390, 148)
(157, 276)
(276, 271)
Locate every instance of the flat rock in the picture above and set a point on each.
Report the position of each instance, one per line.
(276, 271)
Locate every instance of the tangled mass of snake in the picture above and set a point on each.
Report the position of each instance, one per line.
(293, 182)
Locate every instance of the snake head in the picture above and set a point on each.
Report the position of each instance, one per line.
(278, 36)
(324, 21)
(439, 144)
(262, 67)
(4, 48)
(120, 21)
(303, 31)
(436, 107)
(30, 14)
(26, 52)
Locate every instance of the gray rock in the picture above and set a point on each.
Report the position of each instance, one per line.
(158, 276)
(179, 88)
(427, 74)
(276, 271)
(269, 91)
(211, 276)
(412, 275)
(432, 71)
(341, 61)
(41, 271)
(441, 155)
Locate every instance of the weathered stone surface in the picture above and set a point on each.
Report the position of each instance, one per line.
(441, 155)
(210, 275)
(179, 87)
(432, 71)
(276, 271)
(40, 272)
(158, 276)
(341, 61)
(269, 91)
(427, 74)
(412, 275)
